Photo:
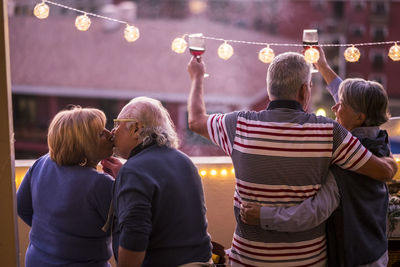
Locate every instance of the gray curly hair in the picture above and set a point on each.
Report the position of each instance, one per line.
(156, 121)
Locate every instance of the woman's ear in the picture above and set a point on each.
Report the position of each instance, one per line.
(361, 118)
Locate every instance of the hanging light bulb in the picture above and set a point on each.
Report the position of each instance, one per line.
(352, 54)
(225, 51)
(131, 33)
(41, 11)
(82, 22)
(394, 52)
(179, 45)
(311, 55)
(266, 55)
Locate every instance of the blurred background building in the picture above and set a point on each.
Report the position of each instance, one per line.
(53, 65)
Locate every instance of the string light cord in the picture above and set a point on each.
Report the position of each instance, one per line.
(294, 45)
(225, 50)
(84, 12)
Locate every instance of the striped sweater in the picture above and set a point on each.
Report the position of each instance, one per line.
(281, 156)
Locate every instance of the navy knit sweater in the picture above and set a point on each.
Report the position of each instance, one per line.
(159, 204)
(66, 206)
(357, 229)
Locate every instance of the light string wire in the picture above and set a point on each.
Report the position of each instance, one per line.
(225, 40)
(280, 44)
(84, 12)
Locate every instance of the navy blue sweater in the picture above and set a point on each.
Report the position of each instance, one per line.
(356, 231)
(66, 206)
(159, 204)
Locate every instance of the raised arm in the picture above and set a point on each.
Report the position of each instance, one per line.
(197, 116)
(323, 67)
(307, 215)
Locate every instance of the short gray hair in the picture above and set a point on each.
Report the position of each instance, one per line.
(368, 97)
(286, 74)
(156, 121)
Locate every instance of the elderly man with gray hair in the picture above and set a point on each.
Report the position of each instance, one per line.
(281, 156)
(158, 195)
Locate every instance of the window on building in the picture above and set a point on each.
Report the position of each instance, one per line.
(357, 30)
(380, 8)
(358, 5)
(378, 61)
(338, 9)
(378, 33)
(319, 4)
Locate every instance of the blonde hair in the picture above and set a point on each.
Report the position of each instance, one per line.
(74, 135)
(156, 121)
(368, 97)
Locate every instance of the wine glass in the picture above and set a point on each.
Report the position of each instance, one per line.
(197, 46)
(310, 38)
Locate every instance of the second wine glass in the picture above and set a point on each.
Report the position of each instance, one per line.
(310, 39)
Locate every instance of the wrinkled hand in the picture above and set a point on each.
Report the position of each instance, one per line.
(111, 166)
(196, 68)
(250, 213)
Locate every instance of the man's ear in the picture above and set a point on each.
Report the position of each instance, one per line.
(301, 94)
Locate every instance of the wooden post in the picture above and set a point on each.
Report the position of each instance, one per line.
(8, 220)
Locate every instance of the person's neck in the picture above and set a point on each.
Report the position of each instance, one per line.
(297, 100)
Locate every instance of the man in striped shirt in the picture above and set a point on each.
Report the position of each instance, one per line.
(280, 156)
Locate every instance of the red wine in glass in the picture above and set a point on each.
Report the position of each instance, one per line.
(197, 46)
(196, 51)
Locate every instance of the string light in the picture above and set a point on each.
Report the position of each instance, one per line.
(131, 33)
(311, 55)
(225, 51)
(82, 22)
(41, 11)
(179, 45)
(394, 52)
(352, 54)
(266, 55)
(320, 112)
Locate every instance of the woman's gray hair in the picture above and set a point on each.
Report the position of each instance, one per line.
(155, 119)
(286, 75)
(368, 97)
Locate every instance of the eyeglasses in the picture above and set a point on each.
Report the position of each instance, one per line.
(118, 121)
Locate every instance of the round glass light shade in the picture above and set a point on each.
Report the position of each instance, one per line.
(82, 22)
(266, 55)
(225, 51)
(179, 45)
(311, 55)
(131, 33)
(394, 52)
(352, 54)
(41, 11)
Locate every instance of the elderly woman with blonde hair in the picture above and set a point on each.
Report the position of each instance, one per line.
(64, 198)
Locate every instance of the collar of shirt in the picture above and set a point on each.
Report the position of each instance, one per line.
(140, 148)
(366, 132)
(291, 104)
